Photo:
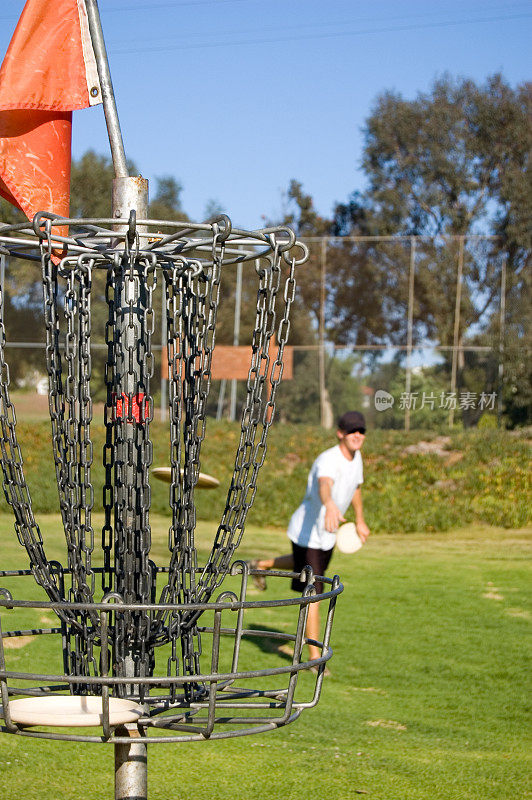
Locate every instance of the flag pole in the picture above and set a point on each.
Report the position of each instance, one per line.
(108, 95)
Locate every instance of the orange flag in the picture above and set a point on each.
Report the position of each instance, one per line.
(49, 71)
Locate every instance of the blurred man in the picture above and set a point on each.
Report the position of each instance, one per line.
(333, 484)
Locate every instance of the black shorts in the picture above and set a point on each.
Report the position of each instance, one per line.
(310, 556)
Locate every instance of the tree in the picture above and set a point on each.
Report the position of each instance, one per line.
(91, 183)
(213, 208)
(453, 162)
(303, 218)
(517, 364)
(166, 203)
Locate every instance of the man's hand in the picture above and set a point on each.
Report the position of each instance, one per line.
(362, 530)
(333, 516)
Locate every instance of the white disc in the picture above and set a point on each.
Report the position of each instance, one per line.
(74, 711)
(347, 538)
(204, 481)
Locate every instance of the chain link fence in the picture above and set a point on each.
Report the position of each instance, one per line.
(419, 332)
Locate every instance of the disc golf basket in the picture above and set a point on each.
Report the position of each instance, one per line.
(148, 653)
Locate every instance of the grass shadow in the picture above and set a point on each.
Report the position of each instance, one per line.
(284, 650)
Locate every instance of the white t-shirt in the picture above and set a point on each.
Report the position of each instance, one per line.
(306, 527)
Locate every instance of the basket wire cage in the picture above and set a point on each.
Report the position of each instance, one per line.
(151, 653)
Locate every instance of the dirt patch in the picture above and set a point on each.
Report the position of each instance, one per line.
(446, 484)
(522, 433)
(437, 447)
(521, 613)
(391, 724)
(290, 462)
(16, 642)
(493, 592)
(454, 457)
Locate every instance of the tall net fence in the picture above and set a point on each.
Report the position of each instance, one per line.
(420, 332)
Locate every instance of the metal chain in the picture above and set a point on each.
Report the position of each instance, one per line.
(191, 285)
(257, 417)
(109, 449)
(70, 414)
(192, 299)
(129, 412)
(15, 487)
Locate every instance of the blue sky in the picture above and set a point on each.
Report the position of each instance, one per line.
(236, 97)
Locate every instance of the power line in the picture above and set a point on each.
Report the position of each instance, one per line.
(194, 3)
(318, 36)
(321, 25)
(151, 6)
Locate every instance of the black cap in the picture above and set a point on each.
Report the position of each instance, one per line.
(351, 420)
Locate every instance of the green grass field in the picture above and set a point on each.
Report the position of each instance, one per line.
(427, 697)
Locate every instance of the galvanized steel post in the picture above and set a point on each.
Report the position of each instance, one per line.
(129, 195)
(108, 96)
(131, 766)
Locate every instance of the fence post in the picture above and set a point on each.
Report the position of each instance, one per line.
(501, 341)
(164, 356)
(456, 323)
(408, 381)
(325, 411)
(221, 400)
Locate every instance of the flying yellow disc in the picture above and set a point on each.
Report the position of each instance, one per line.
(204, 481)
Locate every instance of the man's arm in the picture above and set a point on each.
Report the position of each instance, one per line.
(333, 517)
(362, 528)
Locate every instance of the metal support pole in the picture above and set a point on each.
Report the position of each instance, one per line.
(131, 766)
(236, 335)
(129, 194)
(456, 335)
(164, 355)
(221, 399)
(408, 381)
(325, 409)
(108, 96)
(501, 342)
